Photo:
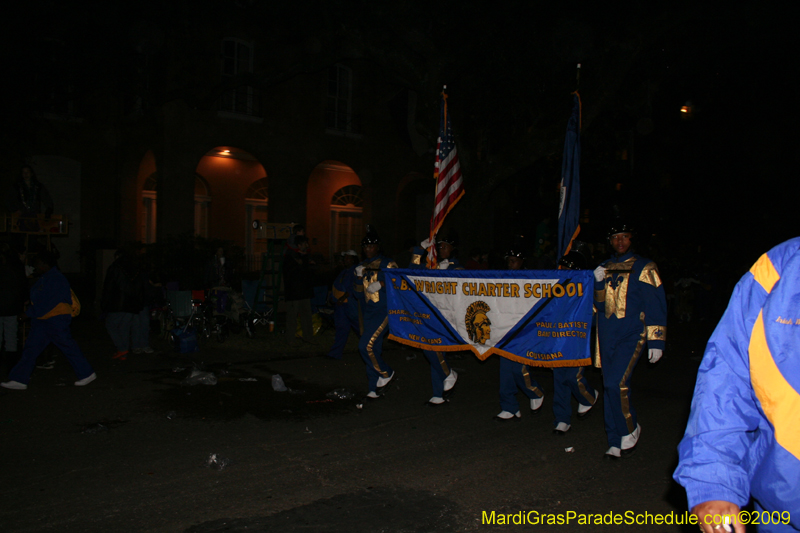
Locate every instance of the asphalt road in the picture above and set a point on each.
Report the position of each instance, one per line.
(130, 451)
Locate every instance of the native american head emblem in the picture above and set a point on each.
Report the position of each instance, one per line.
(479, 327)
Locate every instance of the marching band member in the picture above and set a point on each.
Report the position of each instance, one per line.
(345, 306)
(569, 381)
(443, 377)
(631, 314)
(514, 375)
(370, 289)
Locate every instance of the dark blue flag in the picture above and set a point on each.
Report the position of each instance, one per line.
(570, 204)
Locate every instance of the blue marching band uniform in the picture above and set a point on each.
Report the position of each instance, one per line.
(743, 436)
(570, 381)
(375, 315)
(443, 377)
(631, 314)
(346, 311)
(517, 376)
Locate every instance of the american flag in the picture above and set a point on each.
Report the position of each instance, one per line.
(447, 173)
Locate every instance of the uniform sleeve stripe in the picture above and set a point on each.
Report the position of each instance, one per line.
(779, 400)
(764, 272)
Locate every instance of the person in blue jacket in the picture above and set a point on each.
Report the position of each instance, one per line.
(345, 305)
(742, 441)
(443, 377)
(515, 375)
(370, 289)
(569, 381)
(631, 315)
(50, 310)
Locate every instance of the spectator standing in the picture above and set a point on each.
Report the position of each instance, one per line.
(218, 271)
(121, 302)
(298, 290)
(148, 291)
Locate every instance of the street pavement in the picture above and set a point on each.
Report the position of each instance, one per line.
(130, 452)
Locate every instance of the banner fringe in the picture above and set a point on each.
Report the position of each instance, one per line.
(492, 351)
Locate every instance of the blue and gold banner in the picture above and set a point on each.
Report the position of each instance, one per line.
(536, 317)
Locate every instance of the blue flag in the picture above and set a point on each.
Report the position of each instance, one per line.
(570, 203)
(535, 317)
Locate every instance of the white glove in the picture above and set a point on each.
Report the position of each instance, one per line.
(444, 264)
(360, 271)
(600, 273)
(427, 243)
(655, 354)
(374, 287)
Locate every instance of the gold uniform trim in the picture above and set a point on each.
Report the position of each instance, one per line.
(370, 276)
(528, 385)
(779, 400)
(624, 392)
(600, 296)
(582, 388)
(656, 333)
(61, 308)
(597, 363)
(443, 363)
(650, 275)
(616, 298)
(764, 272)
(371, 345)
(338, 294)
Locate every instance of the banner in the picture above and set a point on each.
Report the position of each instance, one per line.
(536, 317)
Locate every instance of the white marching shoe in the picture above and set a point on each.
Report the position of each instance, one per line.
(536, 403)
(505, 415)
(561, 428)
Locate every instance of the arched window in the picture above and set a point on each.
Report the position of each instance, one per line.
(347, 229)
(202, 205)
(256, 202)
(149, 197)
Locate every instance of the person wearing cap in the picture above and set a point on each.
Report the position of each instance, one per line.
(514, 375)
(742, 441)
(345, 305)
(569, 381)
(369, 287)
(443, 377)
(631, 322)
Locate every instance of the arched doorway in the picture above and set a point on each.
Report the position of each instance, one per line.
(333, 206)
(228, 173)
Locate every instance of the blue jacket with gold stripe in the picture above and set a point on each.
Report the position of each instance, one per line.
(743, 436)
(629, 299)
